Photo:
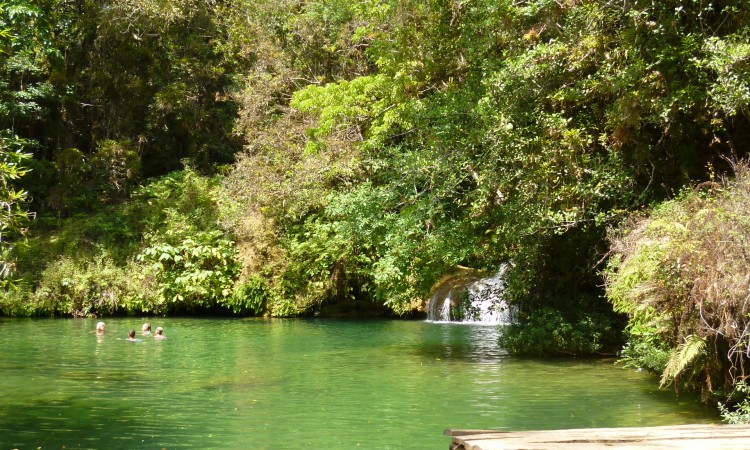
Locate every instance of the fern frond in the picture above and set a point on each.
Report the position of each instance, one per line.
(681, 357)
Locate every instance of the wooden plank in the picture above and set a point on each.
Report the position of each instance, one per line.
(461, 432)
(703, 437)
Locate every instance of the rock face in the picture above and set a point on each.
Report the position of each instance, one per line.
(466, 297)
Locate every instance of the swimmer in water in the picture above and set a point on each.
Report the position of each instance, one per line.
(146, 329)
(159, 333)
(131, 336)
(100, 328)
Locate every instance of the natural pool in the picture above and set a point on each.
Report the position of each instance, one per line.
(294, 384)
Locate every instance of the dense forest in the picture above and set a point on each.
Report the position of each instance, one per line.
(288, 157)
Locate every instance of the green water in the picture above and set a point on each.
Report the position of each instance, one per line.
(289, 384)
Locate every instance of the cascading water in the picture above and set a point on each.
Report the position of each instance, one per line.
(470, 299)
(445, 310)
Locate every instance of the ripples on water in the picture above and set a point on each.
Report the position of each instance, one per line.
(298, 384)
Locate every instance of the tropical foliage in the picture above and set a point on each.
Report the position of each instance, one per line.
(12, 199)
(160, 252)
(480, 133)
(681, 275)
(280, 158)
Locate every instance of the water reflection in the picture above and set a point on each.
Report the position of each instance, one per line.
(298, 384)
(458, 341)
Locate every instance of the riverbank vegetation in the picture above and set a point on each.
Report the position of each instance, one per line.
(681, 275)
(283, 158)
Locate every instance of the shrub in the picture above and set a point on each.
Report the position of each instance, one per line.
(160, 250)
(681, 275)
(200, 271)
(249, 296)
(115, 168)
(739, 412)
(16, 301)
(547, 332)
(639, 354)
(283, 307)
(78, 288)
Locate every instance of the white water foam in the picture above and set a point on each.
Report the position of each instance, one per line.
(485, 303)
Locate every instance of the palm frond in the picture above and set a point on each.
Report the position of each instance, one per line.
(684, 355)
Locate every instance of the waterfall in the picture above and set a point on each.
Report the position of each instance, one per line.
(445, 311)
(470, 299)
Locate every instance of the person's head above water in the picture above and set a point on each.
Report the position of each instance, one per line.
(131, 334)
(146, 327)
(100, 327)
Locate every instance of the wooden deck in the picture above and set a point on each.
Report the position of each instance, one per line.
(701, 437)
